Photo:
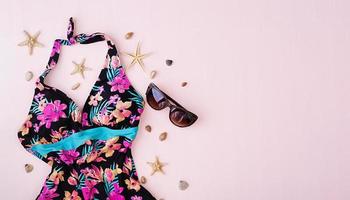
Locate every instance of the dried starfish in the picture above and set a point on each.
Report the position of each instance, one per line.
(137, 57)
(157, 166)
(31, 42)
(80, 68)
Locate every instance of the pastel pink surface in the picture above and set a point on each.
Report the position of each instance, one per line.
(268, 79)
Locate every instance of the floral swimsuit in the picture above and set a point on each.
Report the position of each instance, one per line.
(89, 150)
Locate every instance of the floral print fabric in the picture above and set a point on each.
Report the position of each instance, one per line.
(98, 169)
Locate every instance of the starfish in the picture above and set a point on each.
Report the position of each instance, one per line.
(80, 68)
(157, 166)
(31, 42)
(137, 57)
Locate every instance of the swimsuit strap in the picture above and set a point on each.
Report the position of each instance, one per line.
(112, 53)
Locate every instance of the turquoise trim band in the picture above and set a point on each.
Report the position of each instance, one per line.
(77, 139)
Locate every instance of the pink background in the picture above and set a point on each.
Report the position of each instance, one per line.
(269, 80)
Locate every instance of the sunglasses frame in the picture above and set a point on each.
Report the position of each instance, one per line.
(170, 103)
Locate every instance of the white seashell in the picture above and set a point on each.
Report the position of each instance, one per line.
(29, 75)
(75, 86)
(153, 74)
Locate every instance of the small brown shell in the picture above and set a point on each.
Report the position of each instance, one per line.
(163, 136)
(75, 86)
(148, 128)
(28, 168)
(183, 84)
(129, 35)
(168, 62)
(153, 74)
(143, 180)
(183, 185)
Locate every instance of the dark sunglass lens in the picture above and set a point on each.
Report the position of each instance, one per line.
(156, 99)
(182, 118)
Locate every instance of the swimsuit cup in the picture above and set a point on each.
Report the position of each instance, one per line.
(89, 149)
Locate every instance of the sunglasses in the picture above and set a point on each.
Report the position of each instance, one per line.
(178, 115)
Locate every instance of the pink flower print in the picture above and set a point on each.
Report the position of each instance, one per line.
(51, 113)
(93, 172)
(121, 112)
(42, 104)
(115, 61)
(26, 126)
(136, 197)
(68, 156)
(81, 160)
(73, 196)
(101, 89)
(140, 110)
(116, 193)
(133, 184)
(126, 145)
(56, 177)
(89, 191)
(128, 163)
(94, 99)
(120, 83)
(113, 99)
(134, 118)
(48, 194)
(56, 48)
(97, 173)
(92, 156)
(102, 119)
(52, 64)
(109, 175)
(76, 115)
(38, 96)
(36, 127)
(72, 181)
(58, 135)
(84, 119)
(111, 146)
